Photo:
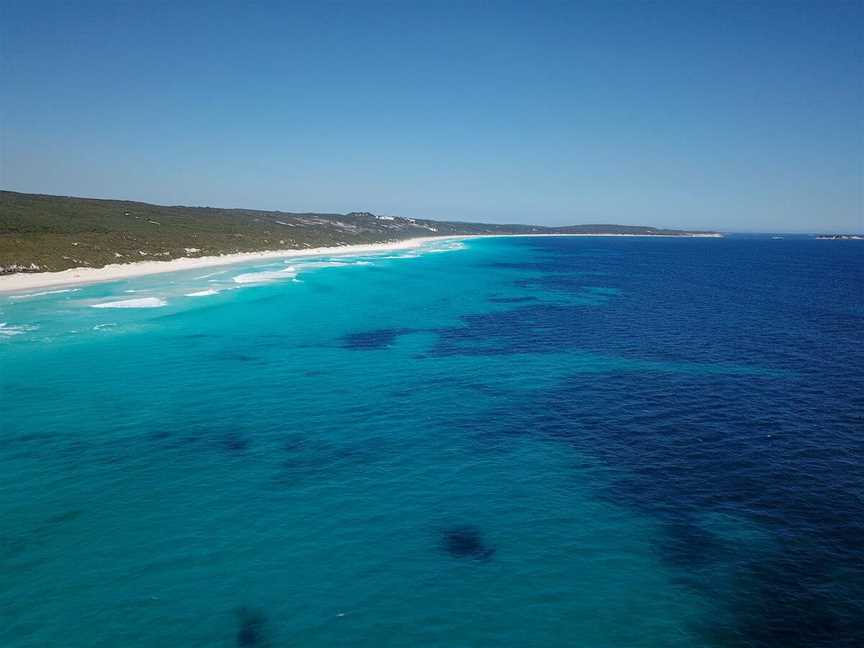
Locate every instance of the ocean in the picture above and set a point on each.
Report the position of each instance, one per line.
(600, 442)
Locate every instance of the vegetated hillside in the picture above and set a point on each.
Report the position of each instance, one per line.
(48, 233)
(641, 230)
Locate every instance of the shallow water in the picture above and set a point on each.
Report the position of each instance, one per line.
(557, 442)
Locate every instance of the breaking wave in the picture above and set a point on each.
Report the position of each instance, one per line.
(144, 302)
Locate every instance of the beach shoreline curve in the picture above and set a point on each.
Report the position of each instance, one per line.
(20, 281)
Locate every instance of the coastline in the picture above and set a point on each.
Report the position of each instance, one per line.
(19, 281)
(116, 271)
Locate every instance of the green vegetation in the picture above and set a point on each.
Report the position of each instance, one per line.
(41, 233)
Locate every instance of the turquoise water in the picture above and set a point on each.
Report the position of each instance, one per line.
(473, 444)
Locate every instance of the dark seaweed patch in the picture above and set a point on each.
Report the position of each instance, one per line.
(687, 544)
(295, 443)
(160, 435)
(252, 628)
(532, 328)
(549, 265)
(511, 300)
(66, 516)
(311, 456)
(184, 441)
(11, 545)
(466, 542)
(376, 339)
(238, 356)
(234, 442)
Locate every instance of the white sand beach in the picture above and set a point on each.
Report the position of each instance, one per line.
(79, 276)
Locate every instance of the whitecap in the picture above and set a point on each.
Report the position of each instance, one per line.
(46, 292)
(203, 293)
(332, 264)
(144, 302)
(8, 331)
(447, 247)
(263, 277)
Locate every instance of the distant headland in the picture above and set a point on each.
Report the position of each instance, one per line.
(42, 233)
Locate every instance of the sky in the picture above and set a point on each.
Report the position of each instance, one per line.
(740, 116)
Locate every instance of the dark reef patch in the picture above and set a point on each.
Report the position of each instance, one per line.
(17, 542)
(688, 545)
(252, 630)
(239, 356)
(295, 443)
(466, 541)
(307, 456)
(233, 442)
(66, 516)
(539, 265)
(533, 328)
(375, 339)
(511, 300)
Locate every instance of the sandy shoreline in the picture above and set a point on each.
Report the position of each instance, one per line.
(81, 276)
(115, 271)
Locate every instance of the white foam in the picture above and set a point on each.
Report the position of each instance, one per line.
(8, 331)
(203, 293)
(264, 277)
(46, 292)
(144, 302)
(447, 247)
(332, 264)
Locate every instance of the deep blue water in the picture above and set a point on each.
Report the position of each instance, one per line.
(513, 442)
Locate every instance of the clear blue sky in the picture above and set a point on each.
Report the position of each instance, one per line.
(732, 115)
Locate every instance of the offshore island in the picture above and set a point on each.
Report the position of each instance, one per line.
(54, 240)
